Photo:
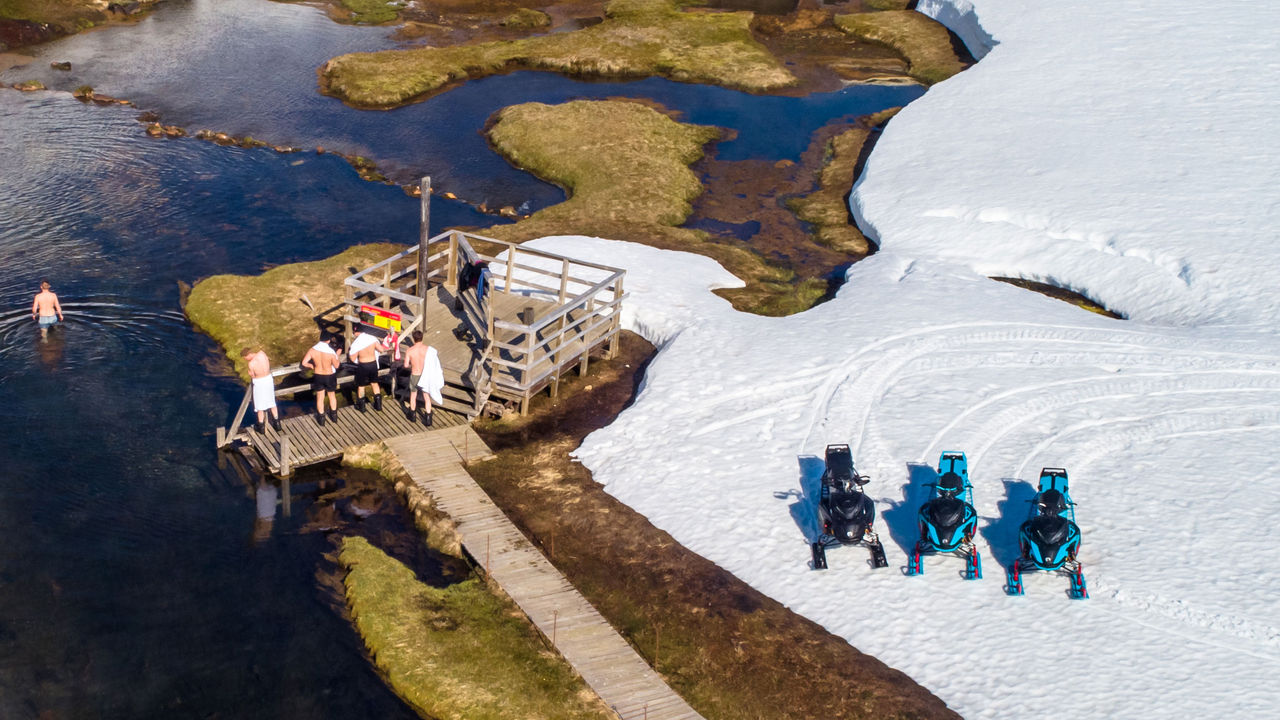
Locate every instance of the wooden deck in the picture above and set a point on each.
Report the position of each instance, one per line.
(309, 443)
(605, 661)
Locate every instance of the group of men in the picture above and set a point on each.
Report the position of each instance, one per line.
(426, 377)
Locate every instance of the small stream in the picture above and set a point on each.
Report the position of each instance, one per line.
(138, 578)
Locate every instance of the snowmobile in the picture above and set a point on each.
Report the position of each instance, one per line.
(947, 520)
(1050, 538)
(845, 513)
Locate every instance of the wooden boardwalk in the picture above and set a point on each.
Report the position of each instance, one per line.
(605, 661)
(309, 443)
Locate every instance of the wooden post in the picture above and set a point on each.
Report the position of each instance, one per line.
(386, 283)
(511, 263)
(564, 280)
(453, 260)
(286, 496)
(615, 327)
(348, 294)
(220, 441)
(424, 234)
(284, 456)
(244, 407)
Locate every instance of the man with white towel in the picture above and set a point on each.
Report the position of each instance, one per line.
(323, 359)
(364, 352)
(425, 377)
(264, 387)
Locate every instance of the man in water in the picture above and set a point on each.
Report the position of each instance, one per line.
(423, 360)
(323, 359)
(264, 387)
(46, 309)
(364, 351)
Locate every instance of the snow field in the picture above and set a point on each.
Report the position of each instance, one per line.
(1125, 150)
(1167, 434)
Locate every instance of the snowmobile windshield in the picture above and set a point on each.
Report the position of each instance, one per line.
(945, 512)
(950, 484)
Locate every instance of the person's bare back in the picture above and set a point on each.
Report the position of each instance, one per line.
(259, 365)
(45, 308)
(417, 356)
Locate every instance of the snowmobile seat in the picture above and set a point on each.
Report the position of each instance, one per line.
(1051, 502)
(839, 463)
(950, 483)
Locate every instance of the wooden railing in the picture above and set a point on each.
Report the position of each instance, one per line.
(532, 350)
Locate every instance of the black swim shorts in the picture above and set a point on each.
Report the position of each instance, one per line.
(325, 382)
(366, 373)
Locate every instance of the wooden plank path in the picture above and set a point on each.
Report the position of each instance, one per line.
(605, 661)
(310, 443)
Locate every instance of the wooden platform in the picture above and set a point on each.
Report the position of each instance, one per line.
(605, 661)
(309, 443)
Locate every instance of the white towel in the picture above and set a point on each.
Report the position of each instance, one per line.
(432, 380)
(264, 393)
(324, 348)
(362, 341)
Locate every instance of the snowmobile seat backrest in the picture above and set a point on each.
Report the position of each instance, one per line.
(1053, 479)
(950, 483)
(839, 462)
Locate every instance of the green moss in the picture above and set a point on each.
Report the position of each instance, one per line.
(457, 651)
(267, 311)
(827, 209)
(637, 38)
(526, 18)
(371, 12)
(925, 43)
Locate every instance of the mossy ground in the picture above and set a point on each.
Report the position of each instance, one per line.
(267, 311)
(71, 15)
(458, 651)
(924, 42)
(626, 167)
(370, 12)
(637, 38)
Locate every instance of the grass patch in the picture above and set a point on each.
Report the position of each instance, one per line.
(827, 208)
(67, 14)
(371, 12)
(637, 38)
(457, 651)
(526, 18)
(925, 43)
(626, 167)
(267, 310)
(730, 651)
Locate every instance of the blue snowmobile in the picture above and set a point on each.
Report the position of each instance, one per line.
(947, 520)
(845, 513)
(1050, 538)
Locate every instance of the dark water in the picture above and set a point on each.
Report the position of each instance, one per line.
(249, 68)
(137, 579)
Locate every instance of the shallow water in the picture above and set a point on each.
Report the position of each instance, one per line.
(136, 576)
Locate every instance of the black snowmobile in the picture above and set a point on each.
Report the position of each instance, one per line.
(845, 513)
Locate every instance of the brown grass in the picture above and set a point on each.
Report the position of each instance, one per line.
(924, 42)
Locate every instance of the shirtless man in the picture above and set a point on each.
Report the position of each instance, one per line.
(323, 359)
(416, 357)
(46, 308)
(264, 387)
(364, 351)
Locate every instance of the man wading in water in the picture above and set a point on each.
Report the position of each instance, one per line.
(46, 308)
(264, 387)
(323, 359)
(364, 351)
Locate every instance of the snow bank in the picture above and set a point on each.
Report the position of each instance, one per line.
(1123, 150)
